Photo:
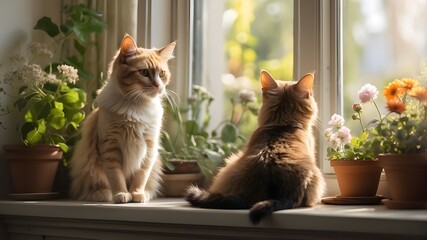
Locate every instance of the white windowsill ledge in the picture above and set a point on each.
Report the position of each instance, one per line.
(313, 223)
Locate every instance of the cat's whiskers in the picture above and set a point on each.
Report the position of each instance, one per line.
(171, 97)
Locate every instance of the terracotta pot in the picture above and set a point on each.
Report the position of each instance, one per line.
(33, 169)
(407, 177)
(186, 173)
(183, 166)
(357, 178)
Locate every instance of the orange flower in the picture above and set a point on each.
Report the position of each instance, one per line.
(396, 106)
(419, 93)
(408, 84)
(392, 91)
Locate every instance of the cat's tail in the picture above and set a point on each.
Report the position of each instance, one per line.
(204, 199)
(267, 207)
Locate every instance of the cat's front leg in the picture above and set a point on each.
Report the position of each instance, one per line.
(137, 188)
(116, 178)
(139, 183)
(139, 180)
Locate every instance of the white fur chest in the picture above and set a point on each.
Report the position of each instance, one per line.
(135, 129)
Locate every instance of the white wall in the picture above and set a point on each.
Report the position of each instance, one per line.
(17, 19)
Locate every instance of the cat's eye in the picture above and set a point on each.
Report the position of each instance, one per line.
(144, 72)
(162, 73)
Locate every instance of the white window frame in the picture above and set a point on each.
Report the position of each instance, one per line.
(317, 45)
(162, 22)
(316, 48)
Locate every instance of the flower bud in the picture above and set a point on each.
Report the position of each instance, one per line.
(357, 107)
(355, 116)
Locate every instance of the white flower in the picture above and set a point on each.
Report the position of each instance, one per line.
(328, 133)
(27, 74)
(335, 140)
(51, 78)
(336, 121)
(367, 93)
(247, 95)
(39, 49)
(68, 73)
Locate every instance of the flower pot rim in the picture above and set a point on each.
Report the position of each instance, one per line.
(20, 146)
(354, 160)
(402, 154)
(373, 163)
(182, 160)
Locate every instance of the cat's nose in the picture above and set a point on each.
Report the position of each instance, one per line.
(156, 82)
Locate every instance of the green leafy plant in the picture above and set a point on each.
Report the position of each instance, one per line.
(191, 138)
(76, 40)
(50, 102)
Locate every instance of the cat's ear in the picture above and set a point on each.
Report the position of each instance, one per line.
(305, 85)
(167, 51)
(267, 81)
(128, 46)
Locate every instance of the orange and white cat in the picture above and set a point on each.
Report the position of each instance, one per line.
(117, 157)
(277, 170)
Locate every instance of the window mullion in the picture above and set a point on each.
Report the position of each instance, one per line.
(317, 48)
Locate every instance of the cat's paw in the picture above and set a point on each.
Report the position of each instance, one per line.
(140, 197)
(122, 197)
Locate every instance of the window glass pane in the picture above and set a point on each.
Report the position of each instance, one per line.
(382, 40)
(258, 35)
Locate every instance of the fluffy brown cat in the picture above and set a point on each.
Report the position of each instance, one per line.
(117, 157)
(278, 168)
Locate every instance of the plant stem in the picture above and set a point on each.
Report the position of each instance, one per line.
(360, 120)
(233, 105)
(378, 110)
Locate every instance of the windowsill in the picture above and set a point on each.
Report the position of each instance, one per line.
(355, 221)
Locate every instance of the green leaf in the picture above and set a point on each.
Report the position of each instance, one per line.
(215, 157)
(229, 133)
(28, 117)
(191, 127)
(58, 105)
(69, 97)
(56, 118)
(64, 147)
(78, 117)
(41, 126)
(33, 137)
(45, 24)
(36, 135)
(80, 48)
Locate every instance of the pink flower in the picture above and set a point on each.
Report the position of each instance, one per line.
(336, 121)
(344, 134)
(367, 93)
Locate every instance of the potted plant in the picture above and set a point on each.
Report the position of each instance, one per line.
(402, 135)
(74, 38)
(354, 159)
(51, 107)
(72, 42)
(191, 151)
